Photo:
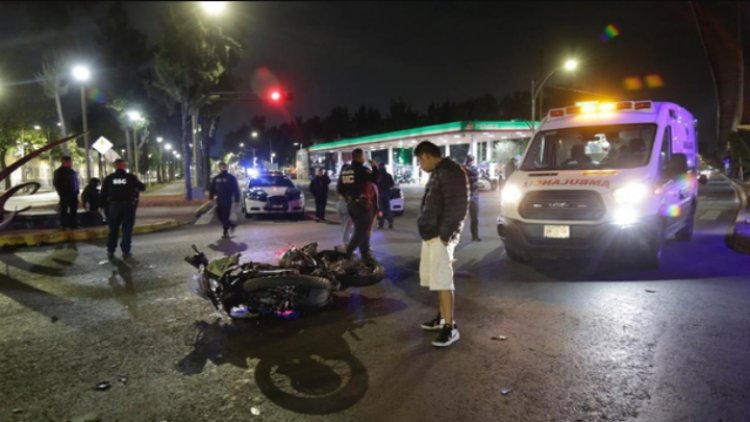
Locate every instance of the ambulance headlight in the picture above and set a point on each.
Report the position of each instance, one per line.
(625, 215)
(510, 195)
(632, 193)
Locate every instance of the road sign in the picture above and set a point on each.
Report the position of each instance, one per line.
(111, 156)
(102, 145)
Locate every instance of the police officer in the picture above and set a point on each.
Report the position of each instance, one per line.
(358, 185)
(120, 192)
(225, 188)
(473, 173)
(65, 181)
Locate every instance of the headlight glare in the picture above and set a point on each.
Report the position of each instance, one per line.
(632, 193)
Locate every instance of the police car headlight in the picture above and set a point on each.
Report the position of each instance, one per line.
(510, 195)
(632, 193)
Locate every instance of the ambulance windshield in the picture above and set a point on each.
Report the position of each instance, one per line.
(591, 147)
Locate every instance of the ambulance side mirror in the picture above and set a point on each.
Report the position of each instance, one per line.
(677, 165)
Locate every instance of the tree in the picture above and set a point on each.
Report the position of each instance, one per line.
(189, 61)
(18, 115)
(54, 85)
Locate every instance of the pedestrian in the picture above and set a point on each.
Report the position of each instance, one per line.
(120, 191)
(358, 185)
(225, 188)
(473, 174)
(442, 214)
(65, 180)
(319, 189)
(92, 202)
(346, 222)
(385, 185)
(510, 168)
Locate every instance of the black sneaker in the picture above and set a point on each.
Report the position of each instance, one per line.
(448, 335)
(476, 239)
(225, 235)
(127, 255)
(434, 324)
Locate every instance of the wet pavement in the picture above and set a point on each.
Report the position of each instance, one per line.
(582, 341)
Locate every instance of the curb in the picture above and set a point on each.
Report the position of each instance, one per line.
(53, 237)
(204, 208)
(741, 234)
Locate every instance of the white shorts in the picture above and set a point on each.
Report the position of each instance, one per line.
(436, 265)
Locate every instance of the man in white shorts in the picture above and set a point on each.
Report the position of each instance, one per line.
(444, 208)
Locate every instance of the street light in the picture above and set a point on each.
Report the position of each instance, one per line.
(569, 66)
(168, 146)
(82, 74)
(214, 8)
(37, 127)
(273, 154)
(159, 139)
(254, 134)
(242, 145)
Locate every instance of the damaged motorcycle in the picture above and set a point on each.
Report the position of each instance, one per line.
(304, 279)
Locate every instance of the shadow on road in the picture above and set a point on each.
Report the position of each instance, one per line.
(123, 289)
(305, 365)
(228, 247)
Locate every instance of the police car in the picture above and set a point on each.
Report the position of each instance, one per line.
(273, 193)
(597, 175)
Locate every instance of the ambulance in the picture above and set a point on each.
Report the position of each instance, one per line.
(603, 180)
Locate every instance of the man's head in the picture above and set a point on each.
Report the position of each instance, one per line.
(358, 156)
(321, 172)
(428, 155)
(577, 151)
(67, 161)
(121, 164)
(469, 160)
(94, 182)
(222, 167)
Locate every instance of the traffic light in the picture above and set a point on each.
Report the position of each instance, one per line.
(277, 96)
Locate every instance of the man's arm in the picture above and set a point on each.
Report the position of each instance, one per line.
(236, 190)
(212, 189)
(455, 203)
(105, 192)
(138, 184)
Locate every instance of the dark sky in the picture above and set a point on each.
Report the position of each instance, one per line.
(354, 53)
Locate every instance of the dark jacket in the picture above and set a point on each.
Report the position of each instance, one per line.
(121, 187)
(353, 182)
(473, 174)
(319, 186)
(445, 202)
(224, 186)
(91, 198)
(385, 185)
(65, 181)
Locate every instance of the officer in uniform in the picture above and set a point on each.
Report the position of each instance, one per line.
(358, 186)
(120, 192)
(225, 188)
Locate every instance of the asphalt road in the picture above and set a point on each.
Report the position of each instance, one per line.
(583, 342)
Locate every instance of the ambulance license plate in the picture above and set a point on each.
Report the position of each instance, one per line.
(557, 232)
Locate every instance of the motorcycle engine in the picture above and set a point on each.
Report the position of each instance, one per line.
(295, 258)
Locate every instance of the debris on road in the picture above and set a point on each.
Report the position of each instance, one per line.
(255, 411)
(650, 291)
(53, 318)
(103, 386)
(506, 391)
(123, 379)
(17, 411)
(499, 338)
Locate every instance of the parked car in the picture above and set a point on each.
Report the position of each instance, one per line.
(273, 193)
(397, 201)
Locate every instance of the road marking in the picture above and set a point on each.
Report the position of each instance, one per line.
(710, 215)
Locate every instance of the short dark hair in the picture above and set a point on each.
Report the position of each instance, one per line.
(66, 158)
(427, 147)
(357, 153)
(119, 161)
(222, 164)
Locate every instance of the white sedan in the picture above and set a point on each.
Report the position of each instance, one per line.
(273, 193)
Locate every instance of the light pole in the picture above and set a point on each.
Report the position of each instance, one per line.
(82, 74)
(168, 147)
(570, 65)
(160, 167)
(135, 117)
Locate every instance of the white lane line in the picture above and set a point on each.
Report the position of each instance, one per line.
(207, 217)
(710, 215)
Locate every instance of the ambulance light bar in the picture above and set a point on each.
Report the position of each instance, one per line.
(594, 106)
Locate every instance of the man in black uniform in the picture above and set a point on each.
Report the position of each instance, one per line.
(119, 195)
(358, 185)
(319, 189)
(65, 180)
(224, 187)
(385, 185)
(473, 174)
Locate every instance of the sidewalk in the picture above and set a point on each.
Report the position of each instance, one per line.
(155, 213)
